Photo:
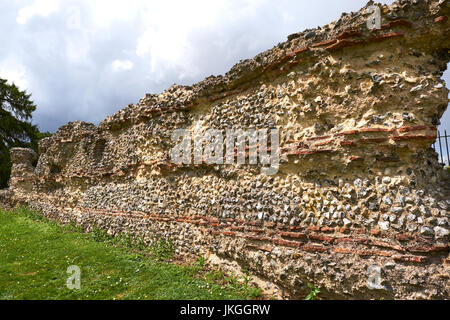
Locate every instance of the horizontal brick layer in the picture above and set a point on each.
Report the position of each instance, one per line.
(313, 239)
(308, 146)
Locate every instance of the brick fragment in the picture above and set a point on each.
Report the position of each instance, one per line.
(343, 250)
(369, 253)
(347, 143)
(423, 239)
(403, 237)
(286, 243)
(386, 36)
(414, 128)
(313, 248)
(347, 133)
(441, 19)
(372, 140)
(301, 50)
(376, 129)
(295, 235)
(348, 34)
(428, 249)
(384, 244)
(265, 249)
(398, 22)
(319, 237)
(352, 239)
(323, 43)
(412, 137)
(254, 224)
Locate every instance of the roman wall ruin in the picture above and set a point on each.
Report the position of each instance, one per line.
(359, 206)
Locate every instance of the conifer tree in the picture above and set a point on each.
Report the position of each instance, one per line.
(16, 129)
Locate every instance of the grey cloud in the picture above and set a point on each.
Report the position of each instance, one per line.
(66, 88)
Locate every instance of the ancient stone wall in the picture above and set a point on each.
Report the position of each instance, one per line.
(359, 206)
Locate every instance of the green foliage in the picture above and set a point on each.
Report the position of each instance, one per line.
(162, 249)
(16, 129)
(100, 235)
(215, 275)
(247, 277)
(200, 263)
(232, 281)
(30, 214)
(35, 253)
(313, 292)
(242, 284)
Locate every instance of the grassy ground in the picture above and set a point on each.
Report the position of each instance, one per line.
(35, 254)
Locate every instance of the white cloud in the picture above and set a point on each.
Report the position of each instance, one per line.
(14, 73)
(122, 65)
(169, 40)
(78, 48)
(39, 7)
(106, 12)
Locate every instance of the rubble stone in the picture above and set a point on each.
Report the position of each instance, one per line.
(358, 184)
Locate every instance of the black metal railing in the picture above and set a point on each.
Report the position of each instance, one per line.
(441, 147)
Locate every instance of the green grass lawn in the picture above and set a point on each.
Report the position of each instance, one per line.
(35, 254)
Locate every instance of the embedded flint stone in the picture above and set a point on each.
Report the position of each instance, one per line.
(358, 186)
(24, 156)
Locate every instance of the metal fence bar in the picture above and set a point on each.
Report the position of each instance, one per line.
(446, 145)
(442, 145)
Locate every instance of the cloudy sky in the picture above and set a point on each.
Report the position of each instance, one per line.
(84, 59)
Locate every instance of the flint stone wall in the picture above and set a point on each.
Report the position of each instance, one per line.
(358, 184)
